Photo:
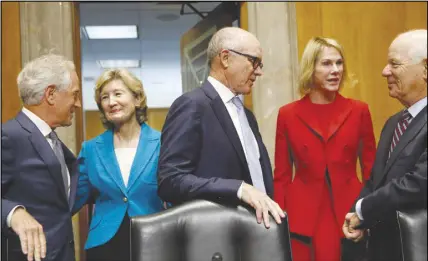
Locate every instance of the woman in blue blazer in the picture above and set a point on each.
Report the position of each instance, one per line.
(118, 168)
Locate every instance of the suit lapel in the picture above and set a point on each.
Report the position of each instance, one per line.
(264, 157)
(383, 148)
(308, 117)
(146, 148)
(344, 109)
(105, 150)
(41, 145)
(225, 121)
(414, 127)
(71, 162)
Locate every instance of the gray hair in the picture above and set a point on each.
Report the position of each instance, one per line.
(38, 74)
(226, 38)
(417, 40)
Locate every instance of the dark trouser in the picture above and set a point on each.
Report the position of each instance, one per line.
(11, 251)
(116, 249)
(354, 251)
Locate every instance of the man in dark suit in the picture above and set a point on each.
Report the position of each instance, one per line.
(38, 181)
(211, 146)
(399, 175)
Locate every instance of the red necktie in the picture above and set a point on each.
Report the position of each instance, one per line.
(402, 125)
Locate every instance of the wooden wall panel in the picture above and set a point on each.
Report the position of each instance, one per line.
(365, 29)
(416, 15)
(80, 220)
(93, 125)
(308, 18)
(10, 59)
(156, 119)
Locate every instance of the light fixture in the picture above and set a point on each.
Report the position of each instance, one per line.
(106, 64)
(112, 32)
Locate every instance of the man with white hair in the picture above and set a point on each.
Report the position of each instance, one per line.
(38, 179)
(211, 146)
(399, 175)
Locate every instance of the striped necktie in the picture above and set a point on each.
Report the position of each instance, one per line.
(401, 127)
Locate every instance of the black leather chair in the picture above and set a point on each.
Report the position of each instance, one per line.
(206, 231)
(413, 233)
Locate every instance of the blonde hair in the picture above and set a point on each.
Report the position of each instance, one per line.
(132, 83)
(309, 60)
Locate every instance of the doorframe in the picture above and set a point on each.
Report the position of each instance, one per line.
(243, 24)
(79, 121)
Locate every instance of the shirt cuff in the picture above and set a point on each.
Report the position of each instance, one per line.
(9, 216)
(240, 191)
(358, 209)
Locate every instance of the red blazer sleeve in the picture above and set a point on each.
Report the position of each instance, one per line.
(367, 148)
(283, 161)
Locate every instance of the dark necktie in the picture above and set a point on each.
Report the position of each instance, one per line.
(59, 154)
(401, 127)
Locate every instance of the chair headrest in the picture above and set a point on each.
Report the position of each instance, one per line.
(203, 230)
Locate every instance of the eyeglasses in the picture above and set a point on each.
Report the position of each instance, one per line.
(256, 61)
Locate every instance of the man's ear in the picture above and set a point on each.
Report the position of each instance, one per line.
(49, 94)
(224, 58)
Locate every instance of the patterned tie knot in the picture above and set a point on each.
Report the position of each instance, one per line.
(238, 103)
(401, 127)
(406, 116)
(53, 136)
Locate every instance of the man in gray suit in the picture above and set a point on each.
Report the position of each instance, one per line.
(399, 176)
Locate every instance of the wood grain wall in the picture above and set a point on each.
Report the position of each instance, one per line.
(365, 29)
(10, 59)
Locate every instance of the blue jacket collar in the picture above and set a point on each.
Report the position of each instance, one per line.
(149, 141)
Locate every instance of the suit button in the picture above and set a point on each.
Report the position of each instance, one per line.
(125, 199)
(70, 242)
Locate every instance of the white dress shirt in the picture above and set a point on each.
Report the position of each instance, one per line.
(226, 96)
(414, 110)
(125, 158)
(45, 129)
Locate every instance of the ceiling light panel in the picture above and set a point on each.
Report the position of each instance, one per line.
(106, 64)
(112, 32)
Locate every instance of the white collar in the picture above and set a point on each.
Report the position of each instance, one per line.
(44, 128)
(225, 93)
(417, 107)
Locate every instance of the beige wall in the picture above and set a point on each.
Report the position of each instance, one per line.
(365, 29)
(243, 20)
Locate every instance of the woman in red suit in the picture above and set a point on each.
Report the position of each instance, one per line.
(319, 138)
